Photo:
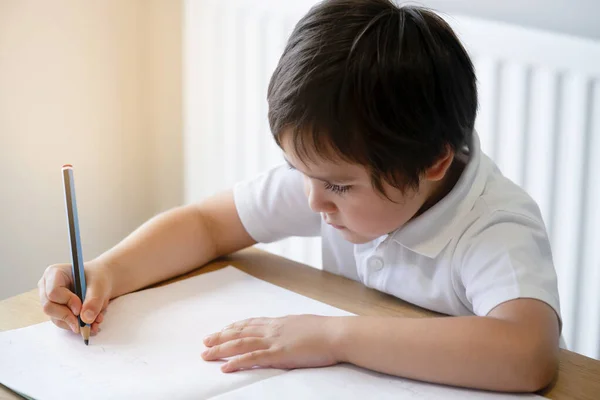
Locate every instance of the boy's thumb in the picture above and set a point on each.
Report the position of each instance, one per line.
(91, 307)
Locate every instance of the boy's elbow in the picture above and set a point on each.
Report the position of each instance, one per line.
(541, 377)
(541, 366)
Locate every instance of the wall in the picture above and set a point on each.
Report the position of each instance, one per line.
(162, 93)
(95, 84)
(573, 17)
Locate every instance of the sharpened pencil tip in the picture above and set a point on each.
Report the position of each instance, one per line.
(85, 333)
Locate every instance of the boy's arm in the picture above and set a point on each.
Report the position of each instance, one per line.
(514, 348)
(176, 242)
(512, 345)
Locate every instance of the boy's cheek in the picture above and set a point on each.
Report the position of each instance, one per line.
(306, 186)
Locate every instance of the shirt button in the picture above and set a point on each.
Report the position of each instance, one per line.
(375, 263)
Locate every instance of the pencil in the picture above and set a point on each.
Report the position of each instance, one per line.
(77, 270)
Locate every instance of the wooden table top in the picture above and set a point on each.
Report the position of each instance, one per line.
(578, 377)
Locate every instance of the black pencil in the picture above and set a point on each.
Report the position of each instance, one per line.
(79, 285)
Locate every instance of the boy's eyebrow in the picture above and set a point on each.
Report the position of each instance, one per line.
(336, 179)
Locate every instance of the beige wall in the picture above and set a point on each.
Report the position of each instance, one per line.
(96, 84)
(162, 91)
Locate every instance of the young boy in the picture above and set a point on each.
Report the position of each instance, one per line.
(373, 106)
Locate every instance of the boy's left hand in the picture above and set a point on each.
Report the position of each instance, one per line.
(295, 341)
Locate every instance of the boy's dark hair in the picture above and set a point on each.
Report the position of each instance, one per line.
(370, 82)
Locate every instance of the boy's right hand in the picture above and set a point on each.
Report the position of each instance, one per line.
(63, 306)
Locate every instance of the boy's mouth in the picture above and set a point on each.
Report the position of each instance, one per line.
(337, 226)
(328, 222)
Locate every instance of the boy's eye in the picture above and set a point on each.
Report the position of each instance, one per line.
(336, 188)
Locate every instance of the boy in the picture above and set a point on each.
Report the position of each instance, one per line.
(373, 106)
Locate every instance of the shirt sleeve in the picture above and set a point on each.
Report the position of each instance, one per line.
(273, 206)
(509, 258)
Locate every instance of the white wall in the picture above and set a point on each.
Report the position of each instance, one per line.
(95, 84)
(573, 17)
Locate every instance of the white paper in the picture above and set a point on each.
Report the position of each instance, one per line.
(151, 342)
(346, 381)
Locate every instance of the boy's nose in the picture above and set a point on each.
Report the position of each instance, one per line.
(320, 206)
(317, 199)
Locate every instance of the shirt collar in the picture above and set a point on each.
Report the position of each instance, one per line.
(431, 231)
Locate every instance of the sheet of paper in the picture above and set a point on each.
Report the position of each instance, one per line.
(151, 342)
(350, 382)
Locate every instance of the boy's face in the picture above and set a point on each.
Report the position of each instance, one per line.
(344, 196)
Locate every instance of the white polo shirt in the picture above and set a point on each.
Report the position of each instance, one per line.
(483, 244)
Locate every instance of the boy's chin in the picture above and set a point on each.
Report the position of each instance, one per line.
(355, 238)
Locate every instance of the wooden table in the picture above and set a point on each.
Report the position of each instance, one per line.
(578, 377)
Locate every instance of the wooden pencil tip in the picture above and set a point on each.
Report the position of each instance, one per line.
(85, 333)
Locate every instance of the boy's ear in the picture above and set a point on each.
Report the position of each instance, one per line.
(438, 170)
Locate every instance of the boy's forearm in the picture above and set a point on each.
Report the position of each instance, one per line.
(477, 352)
(175, 242)
(167, 245)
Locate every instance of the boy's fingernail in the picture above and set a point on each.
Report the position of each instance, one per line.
(89, 315)
(75, 328)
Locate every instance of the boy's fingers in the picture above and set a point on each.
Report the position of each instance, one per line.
(234, 347)
(56, 277)
(95, 328)
(42, 290)
(259, 358)
(58, 311)
(61, 324)
(249, 322)
(88, 315)
(94, 301)
(62, 295)
(56, 283)
(232, 334)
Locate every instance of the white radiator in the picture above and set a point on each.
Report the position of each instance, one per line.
(539, 119)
